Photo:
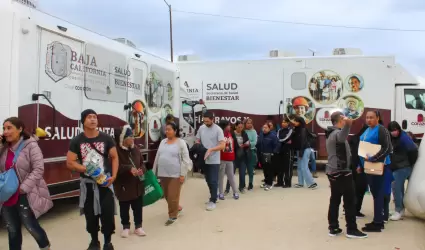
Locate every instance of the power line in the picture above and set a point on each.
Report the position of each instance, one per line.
(297, 23)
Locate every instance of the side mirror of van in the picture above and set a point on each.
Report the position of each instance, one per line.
(40, 133)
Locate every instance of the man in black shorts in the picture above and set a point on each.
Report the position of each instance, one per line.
(96, 201)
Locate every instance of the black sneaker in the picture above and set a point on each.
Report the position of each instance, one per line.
(94, 245)
(108, 246)
(278, 185)
(360, 215)
(313, 186)
(335, 231)
(373, 227)
(356, 234)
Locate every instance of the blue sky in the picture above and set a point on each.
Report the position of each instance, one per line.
(145, 22)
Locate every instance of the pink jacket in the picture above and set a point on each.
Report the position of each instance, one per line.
(30, 170)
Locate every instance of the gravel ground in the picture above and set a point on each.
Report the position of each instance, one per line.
(278, 219)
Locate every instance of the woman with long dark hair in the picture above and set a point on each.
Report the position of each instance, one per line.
(32, 199)
(227, 158)
(253, 137)
(171, 164)
(377, 134)
(301, 144)
(403, 158)
(242, 152)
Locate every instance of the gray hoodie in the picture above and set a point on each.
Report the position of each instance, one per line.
(339, 154)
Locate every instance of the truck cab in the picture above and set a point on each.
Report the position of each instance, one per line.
(410, 109)
(189, 122)
(410, 103)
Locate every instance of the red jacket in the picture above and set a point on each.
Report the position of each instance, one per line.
(228, 154)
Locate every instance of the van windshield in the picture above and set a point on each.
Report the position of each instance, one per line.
(414, 99)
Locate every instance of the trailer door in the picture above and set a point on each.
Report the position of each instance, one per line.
(62, 82)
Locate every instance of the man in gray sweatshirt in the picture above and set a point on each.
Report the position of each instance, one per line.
(340, 176)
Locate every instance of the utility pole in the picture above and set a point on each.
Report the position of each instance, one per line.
(171, 30)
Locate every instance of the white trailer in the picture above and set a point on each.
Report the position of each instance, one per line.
(52, 70)
(309, 86)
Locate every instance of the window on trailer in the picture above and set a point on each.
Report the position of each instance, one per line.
(105, 74)
(414, 99)
(298, 81)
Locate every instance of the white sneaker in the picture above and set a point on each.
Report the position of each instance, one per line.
(125, 233)
(211, 206)
(140, 232)
(396, 216)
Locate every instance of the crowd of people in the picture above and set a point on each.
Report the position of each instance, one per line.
(351, 173)
(227, 148)
(220, 149)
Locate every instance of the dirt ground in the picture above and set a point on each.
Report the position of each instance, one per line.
(278, 219)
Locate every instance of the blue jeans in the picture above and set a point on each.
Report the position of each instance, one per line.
(21, 214)
(241, 165)
(400, 177)
(304, 173)
(211, 177)
(313, 161)
(377, 188)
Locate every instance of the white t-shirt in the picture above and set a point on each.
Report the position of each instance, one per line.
(210, 137)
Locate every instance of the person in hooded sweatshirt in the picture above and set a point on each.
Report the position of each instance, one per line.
(267, 145)
(405, 154)
(300, 144)
(340, 176)
(283, 165)
(128, 188)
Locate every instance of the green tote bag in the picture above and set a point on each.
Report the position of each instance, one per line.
(153, 191)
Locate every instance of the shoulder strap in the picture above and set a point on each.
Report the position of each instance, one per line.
(18, 151)
(94, 147)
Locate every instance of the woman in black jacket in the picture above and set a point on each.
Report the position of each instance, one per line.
(302, 146)
(360, 178)
(283, 164)
(242, 146)
(403, 158)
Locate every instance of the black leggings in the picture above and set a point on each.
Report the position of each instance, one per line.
(137, 207)
(283, 168)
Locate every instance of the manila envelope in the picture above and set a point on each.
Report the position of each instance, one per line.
(367, 148)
